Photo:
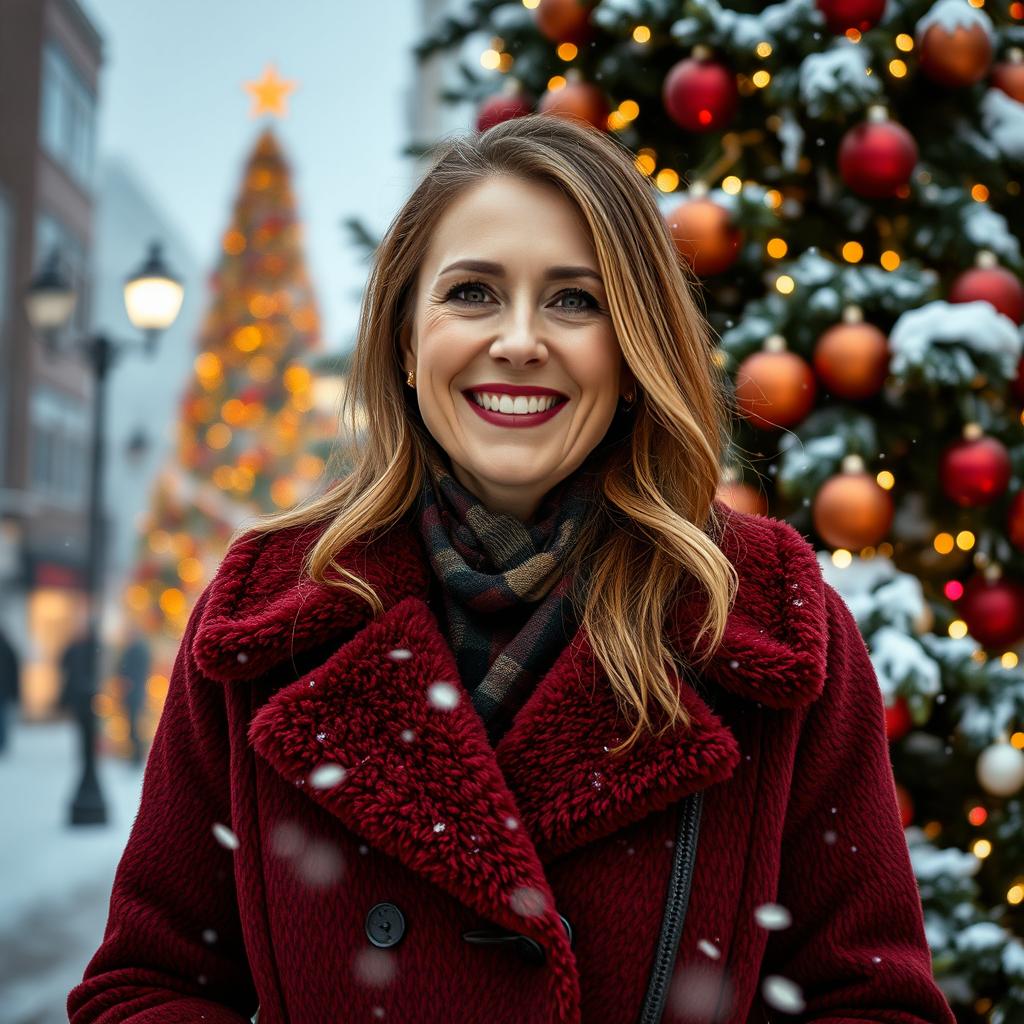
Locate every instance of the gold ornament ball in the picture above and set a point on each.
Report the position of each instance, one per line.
(852, 511)
(774, 389)
(852, 359)
(743, 498)
(704, 236)
(957, 58)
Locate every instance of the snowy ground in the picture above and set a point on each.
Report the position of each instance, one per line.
(54, 879)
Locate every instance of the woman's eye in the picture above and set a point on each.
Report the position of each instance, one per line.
(576, 296)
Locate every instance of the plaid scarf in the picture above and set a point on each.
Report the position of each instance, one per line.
(508, 603)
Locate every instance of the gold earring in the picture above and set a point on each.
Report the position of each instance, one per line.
(629, 397)
(410, 379)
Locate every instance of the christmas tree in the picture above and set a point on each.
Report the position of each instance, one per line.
(842, 176)
(251, 436)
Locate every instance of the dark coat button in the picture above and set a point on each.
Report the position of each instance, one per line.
(385, 925)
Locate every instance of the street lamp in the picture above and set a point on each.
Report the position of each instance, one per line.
(152, 298)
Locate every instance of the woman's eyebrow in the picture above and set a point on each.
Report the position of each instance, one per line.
(497, 270)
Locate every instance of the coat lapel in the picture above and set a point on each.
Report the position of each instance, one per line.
(383, 734)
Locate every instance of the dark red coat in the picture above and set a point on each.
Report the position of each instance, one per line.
(432, 833)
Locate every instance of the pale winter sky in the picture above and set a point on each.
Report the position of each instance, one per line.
(172, 103)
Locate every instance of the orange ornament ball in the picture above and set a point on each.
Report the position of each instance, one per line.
(774, 389)
(958, 58)
(852, 511)
(742, 498)
(704, 236)
(1009, 76)
(852, 359)
(564, 21)
(579, 101)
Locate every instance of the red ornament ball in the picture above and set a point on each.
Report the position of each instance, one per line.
(975, 471)
(841, 15)
(774, 389)
(993, 610)
(564, 21)
(877, 158)
(996, 286)
(700, 95)
(501, 107)
(1009, 76)
(897, 719)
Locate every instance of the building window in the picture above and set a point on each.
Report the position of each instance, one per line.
(67, 124)
(58, 456)
(53, 236)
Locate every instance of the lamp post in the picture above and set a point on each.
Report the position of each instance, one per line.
(152, 298)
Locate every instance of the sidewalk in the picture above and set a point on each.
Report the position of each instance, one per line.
(54, 880)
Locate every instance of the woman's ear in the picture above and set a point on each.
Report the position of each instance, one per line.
(407, 351)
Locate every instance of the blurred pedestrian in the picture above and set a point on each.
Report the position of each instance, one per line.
(133, 669)
(9, 684)
(78, 687)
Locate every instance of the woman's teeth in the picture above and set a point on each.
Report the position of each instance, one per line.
(520, 404)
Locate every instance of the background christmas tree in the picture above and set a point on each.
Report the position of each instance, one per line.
(842, 176)
(252, 435)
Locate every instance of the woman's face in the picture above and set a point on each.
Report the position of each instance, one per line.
(510, 311)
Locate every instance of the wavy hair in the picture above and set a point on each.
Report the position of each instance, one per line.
(656, 527)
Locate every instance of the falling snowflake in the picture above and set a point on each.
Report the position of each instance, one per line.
(242, 657)
(287, 839)
(373, 966)
(408, 735)
(876, 959)
(830, 837)
(596, 780)
(400, 654)
(511, 823)
(734, 663)
(209, 936)
(326, 775)
(225, 836)
(772, 917)
(440, 826)
(319, 864)
(783, 994)
(443, 695)
(709, 949)
(321, 736)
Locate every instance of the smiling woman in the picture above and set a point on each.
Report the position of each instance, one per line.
(439, 745)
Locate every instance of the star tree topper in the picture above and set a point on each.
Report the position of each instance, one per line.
(269, 93)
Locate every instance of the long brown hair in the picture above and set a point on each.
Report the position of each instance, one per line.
(658, 526)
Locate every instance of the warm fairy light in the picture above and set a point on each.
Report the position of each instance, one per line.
(933, 830)
(841, 558)
(761, 78)
(531, 4)
(261, 306)
(157, 686)
(731, 185)
(223, 477)
(853, 35)
(616, 122)
(976, 3)
(667, 180)
(897, 68)
(629, 109)
(953, 590)
(776, 248)
(567, 51)
(981, 848)
(490, 59)
(890, 259)
(243, 479)
(1009, 659)
(1017, 740)
(763, 49)
(304, 319)
(262, 368)
(556, 82)
(160, 542)
(641, 34)
(784, 284)
(218, 436)
(207, 365)
(943, 543)
(247, 338)
(958, 629)
(904, 42)
(234, 412)
(853, 252)
(137, 597)
(190, 570)
(234, 242)
(885, 479)
(644, 164)
(297, 378)
(282, 493)
(172, 602)
(773, 198)
(1015, 894)
(979, 193)
(310, 466)
(506, 62)
(965, 540)
(977, 815)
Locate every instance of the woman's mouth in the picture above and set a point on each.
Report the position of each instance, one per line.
(505, 410)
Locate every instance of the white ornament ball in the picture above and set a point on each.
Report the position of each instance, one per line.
(1001, 769)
